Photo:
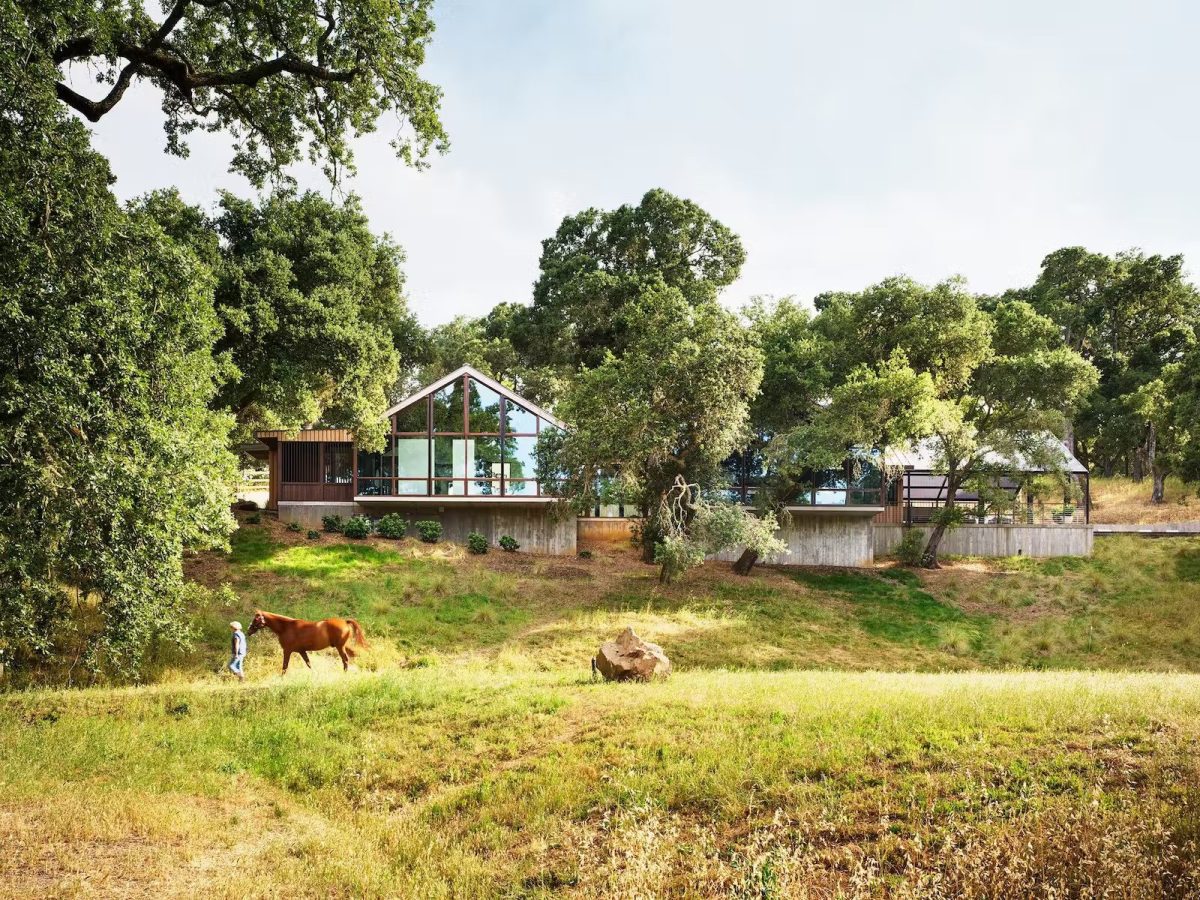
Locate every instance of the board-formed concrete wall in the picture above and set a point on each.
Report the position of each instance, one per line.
(822, 539)
(605, 531)
(999, 540)
(533, 526)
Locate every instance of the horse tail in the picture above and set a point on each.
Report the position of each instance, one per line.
(359, 637)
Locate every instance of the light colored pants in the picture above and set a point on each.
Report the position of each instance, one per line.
(235, 665)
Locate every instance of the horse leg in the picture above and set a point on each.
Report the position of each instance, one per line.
(287, 657)
(341, 649)
(304, 656)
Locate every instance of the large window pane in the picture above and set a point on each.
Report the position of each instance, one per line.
(519, 459)
(412, 457)
(301, 461)
(420, 488)
(518, 420)
(448, 408)
(449, 457)
(478, 488)
(376, 465)
(374, 487)
(520, 488)
(484, 409)
(412, 418)
(448, 488)
(483, 457)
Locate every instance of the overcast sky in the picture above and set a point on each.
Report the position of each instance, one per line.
(843, 141)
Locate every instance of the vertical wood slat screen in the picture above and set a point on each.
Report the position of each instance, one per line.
(301, 462)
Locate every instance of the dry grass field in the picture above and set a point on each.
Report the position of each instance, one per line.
(1121, 501)
(1013, 729)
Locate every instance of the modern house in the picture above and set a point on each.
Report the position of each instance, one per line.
(461, 451)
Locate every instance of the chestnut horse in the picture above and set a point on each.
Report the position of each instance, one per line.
(300, 636)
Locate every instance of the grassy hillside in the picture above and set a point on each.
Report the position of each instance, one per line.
(1124, 501)
(469, 782)
(1132, 606)
(469, 753)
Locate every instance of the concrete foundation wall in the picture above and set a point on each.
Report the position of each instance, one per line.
(533, 526)
(309, 514)
(999, 540)
(822, 539)
(605, 531)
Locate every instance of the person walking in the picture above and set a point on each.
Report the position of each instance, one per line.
(237, 649)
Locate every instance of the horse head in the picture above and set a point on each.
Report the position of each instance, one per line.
(257, 623)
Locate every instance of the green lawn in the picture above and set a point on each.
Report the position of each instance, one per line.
(470, 754)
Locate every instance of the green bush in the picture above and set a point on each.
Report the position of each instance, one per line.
(509, 543)
(911, 547)
(392, 526)
(429, 531)
(333, 523)
(585, 554)
(255, 519)
(314, 535)
(357, 527)
(293, 526)
(477, 543)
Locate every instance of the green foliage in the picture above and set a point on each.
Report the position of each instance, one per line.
(293, 526)
(392, 526)
(720, 526)
(287, 80)
(429, 530)
(911, 549)
(314, 535)
(333, 523)
(674, 405)
(509, 543)
(312, 305)
(599, 264)
(676, 554)
(113, 461)
(357, 527)
(477, 543)
(585, 554)
(253, 519)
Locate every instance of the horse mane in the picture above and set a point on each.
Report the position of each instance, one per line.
(276, 616)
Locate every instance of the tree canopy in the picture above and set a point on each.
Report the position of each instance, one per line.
(598, 263)
(284, 78)
(112, 458)
(315, 320)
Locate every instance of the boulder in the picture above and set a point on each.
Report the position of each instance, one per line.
(629, 658)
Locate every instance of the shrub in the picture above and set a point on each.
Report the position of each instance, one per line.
(392, 526)
(911, 547)
(429, 531)
(333, 523)
(255, 519)
(293, 526)
(585, 554)
(509, 543)
(314, 535)
(357, 527)
(676, 554)
(246, 505)
(477, 543)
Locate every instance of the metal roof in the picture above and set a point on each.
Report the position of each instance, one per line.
(922, 457)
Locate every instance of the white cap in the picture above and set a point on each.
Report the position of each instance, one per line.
(236, 626)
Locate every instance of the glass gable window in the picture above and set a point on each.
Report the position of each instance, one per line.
(464, 439)
(858, 482)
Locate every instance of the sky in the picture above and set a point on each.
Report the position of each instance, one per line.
(844, 142)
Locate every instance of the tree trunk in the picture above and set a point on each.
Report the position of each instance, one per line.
(1138, 469)
(1156, 494)
(745, 562)
(930, 558)
(1069, 437)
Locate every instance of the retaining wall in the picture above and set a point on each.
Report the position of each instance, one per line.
(822, 539)
(533, 527)
(998, 540)
(605, 531)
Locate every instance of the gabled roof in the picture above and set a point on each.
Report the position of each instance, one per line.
(923, 456)
(482, 379)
